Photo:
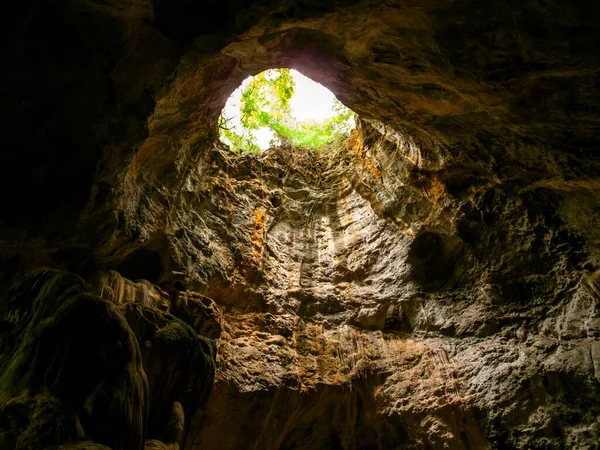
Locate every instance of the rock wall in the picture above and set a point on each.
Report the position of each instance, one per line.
(359, 312)
(430, 283)
(77, 369)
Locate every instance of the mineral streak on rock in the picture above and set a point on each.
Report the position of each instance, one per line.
(432, 282)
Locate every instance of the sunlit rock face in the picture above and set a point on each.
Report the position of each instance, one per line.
(432, 283)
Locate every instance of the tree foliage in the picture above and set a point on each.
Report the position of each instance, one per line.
(265, 104)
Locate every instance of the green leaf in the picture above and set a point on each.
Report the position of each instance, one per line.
(265, 103)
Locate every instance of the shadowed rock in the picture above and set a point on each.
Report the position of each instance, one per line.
(432, 282)
(71, 368)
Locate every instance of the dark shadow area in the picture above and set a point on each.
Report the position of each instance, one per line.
(141, 264)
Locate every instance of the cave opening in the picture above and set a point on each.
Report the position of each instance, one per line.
(432, 281)
(282, 107)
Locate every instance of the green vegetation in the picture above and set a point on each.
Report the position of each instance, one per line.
(265, 105)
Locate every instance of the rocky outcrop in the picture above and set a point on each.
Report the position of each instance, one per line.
(342, 323)
(111, 286)
(179, 366)
(72, 369)
(430, 283)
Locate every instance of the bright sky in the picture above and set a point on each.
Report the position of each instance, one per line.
(311, 101)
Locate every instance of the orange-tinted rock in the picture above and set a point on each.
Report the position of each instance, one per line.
(432, 284)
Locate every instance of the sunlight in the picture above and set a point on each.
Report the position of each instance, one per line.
(260, 113)
(311, 101)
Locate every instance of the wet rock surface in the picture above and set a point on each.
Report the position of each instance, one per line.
(433, 282)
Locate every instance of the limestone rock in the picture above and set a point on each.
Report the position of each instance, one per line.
(430, 283)
(71, 368)
(179, 365)
(200, 312)
(111, 286)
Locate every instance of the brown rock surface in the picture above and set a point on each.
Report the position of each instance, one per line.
(71, 369)
(432, 283)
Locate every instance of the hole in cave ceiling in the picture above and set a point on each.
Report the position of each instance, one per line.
(282, 107)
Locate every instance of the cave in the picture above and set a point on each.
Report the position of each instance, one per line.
(432, 282)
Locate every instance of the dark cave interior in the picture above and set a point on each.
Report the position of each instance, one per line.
(434, 283)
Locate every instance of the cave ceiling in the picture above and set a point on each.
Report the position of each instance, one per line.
(433, 282)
